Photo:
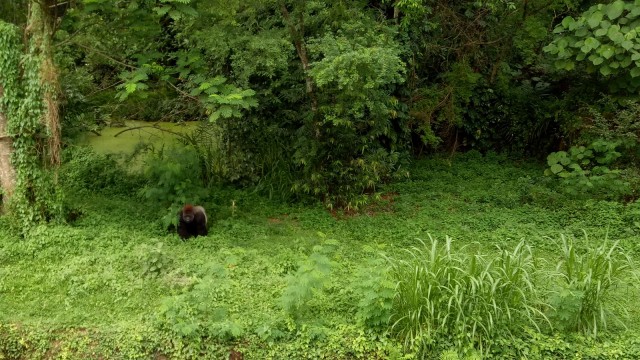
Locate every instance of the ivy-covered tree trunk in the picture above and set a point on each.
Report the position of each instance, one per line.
(30, 123)
(9, 68)
(40, 33)
(7, 172)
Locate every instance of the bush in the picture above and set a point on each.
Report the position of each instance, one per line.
(375, 289)
(83, 169)
(174, 179)
(589, 170)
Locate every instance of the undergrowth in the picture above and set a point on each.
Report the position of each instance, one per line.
(274, 281)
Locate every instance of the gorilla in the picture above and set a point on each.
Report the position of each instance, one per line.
(192, 221)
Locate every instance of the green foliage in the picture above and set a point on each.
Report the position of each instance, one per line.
(605, 38)
(35, 198)
(586, 170)
(586, 296)
(375, 291)
(342, 155)
(446, 298)
(153, 260)
(223, 291)
(312, 275)
(83, 169)
(191, 316)
(616, 121)
(175, 179)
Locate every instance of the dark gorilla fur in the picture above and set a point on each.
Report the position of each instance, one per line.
(192, 221)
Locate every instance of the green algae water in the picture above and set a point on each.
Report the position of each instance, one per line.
(124, 139)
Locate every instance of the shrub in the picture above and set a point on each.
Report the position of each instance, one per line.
(375, 289)
(312, 276)
(153, 260)
(174, 178)
(87, 170)
(589, 170)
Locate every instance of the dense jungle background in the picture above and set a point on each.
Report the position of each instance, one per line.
(394, 179)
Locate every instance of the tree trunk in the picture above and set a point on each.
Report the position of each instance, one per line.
(297, 34)
(40, 28)
(7, 172)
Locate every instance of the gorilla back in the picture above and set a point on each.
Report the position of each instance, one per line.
(192, 221)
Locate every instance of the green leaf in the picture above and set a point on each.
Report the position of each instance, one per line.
(627, 45)
(600, 32)
(597, 60)
(551, 49)
(607, 51)
(614, 34)
(582, 32)
(595, 19)
(635, 72)
(131, 87)
(605, 70)
(556, 168)
(568, 21)
(625, 62)
(592, 43)
(615, 9)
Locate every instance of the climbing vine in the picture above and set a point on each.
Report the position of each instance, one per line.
(35, 198)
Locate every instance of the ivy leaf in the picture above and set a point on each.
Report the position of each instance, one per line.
(614, 10)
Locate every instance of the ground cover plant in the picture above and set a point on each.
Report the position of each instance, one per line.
(296, 281)
(383, 179)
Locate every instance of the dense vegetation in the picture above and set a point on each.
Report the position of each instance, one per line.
(384, 179)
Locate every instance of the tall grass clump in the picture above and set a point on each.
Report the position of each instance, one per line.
(462, 300)
(587, 293)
